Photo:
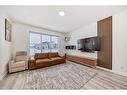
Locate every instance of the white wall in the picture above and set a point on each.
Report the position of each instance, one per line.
(84, 32)
(120, 42)
(21, 37)
(5, 48)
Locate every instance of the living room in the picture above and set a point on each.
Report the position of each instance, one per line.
(48, 41)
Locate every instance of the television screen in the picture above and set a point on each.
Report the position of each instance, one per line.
(80, 44)
(89, 44)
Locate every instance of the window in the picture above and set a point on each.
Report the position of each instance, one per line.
(35, 43)
(43, 43)
(54, 44)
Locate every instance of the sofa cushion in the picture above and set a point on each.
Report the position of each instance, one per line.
(41, 55)
(56, 58)
(53, 54)
(43, 60)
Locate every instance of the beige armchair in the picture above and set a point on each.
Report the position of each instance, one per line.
(19, 63)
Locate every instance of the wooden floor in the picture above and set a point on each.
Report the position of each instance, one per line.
(106, 80)
(102, 80)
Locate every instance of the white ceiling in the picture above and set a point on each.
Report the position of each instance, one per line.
(48, 17)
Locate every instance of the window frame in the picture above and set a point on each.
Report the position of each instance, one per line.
(41, 34)
(52, 40)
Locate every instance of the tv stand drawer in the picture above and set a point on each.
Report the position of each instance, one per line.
(92, 62)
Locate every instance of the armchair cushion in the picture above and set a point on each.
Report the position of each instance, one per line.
(18, 64)
(20, 58)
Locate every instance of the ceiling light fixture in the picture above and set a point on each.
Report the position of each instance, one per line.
(61, 13)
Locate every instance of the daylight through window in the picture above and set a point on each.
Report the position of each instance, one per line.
(43, 43)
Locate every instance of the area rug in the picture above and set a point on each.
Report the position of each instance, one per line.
(64, 76)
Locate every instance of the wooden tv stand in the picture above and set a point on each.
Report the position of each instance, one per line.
(92, 62)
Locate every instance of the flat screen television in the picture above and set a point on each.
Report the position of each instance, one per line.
(89, 44)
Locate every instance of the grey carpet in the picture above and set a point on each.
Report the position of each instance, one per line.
(64, 76)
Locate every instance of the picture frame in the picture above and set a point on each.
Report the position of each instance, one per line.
(8, 30)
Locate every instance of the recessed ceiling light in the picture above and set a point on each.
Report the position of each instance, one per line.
(61, 13)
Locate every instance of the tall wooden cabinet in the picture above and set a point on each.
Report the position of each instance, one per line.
(104, 28)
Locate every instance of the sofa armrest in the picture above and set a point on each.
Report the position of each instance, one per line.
(26, 63)
(31, 58)
(62, 56)
(10, 65)
(31, 63)
(11, 62)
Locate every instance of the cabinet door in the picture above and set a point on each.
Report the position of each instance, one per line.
(104, 28)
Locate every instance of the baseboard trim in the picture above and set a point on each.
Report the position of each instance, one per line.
(3, 75)
(115, 72)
